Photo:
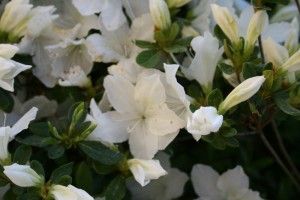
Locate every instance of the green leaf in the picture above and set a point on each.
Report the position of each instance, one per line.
(97, 151)
(37, 141)
(218, 142)
(84, 177)
(103, 169)
(145, 44)
(80, 129)
(6, 101)
(3, 181)
(175, 48)
(60, 172)
(248, 70)
(269, 75)
(283, 2)
(65, 180)
(37, 167)
(56, 151)
(174, 31)
(231, 141)
(215, 98)
(10, 195)
(31, 196)
(39, 128)
(159, 36)
(253, 109)
(227, 69)
(285, 107)
(220, 34)
(53, 131)
(116, 189)
(228, 131)
(152, 58)
(22, 154)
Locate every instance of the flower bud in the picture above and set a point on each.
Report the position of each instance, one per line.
(293, 63)
(145, 170)
(291, 42)
(226, 22)
(274, 52)
(255, 27)
(60, 192)
(188, 31)
(160, 14)
(177, 3)
(242, 92)
(23, 175)
(204, 121)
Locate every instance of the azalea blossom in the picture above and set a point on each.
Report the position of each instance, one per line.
(8, 133)
(204, 121)
(145, 170)
(23, 175)
(9, 69)
(232, 184)
(150, 123)
(203, 66)
(75, 77)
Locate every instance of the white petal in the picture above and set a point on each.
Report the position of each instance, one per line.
(161, 121)
(24, 122)
(120, 93)
(8, 51)
(143, 145)
(233, 183)
(204, 179)
(149, 91)
(93, 6)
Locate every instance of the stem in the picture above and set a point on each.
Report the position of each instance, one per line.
(284, 151)
(261, 50)
(298, 5)
(279, 161)
(247, 133)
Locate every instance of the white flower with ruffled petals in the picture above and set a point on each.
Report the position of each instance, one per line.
(232, 184)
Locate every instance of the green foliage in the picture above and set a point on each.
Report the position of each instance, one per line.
(227, 69)
(59, 174)
(215, 98)
(153, 58)
(6, 101)
(22, 155)
(97, 151)
(116, 189)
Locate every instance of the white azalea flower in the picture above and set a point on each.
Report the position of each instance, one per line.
(204, 121)
(232, 184)
(75, 77)
(207, 55)
(145, 170)
(68, 54)
(8, 133)
(150, 123)
(170, 186)
(242, 92)
(9, 69)
(23, 175)
(107, 129)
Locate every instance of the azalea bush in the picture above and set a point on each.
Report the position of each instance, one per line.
(151, 100)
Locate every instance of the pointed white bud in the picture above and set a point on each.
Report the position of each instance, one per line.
(177, 3)
(23, 175)
(145, 170)
(160, 14)
(226, 22)
(256, 26)
(242, 92)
